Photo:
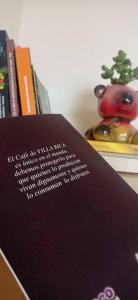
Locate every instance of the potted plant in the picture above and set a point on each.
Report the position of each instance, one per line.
(117, 103)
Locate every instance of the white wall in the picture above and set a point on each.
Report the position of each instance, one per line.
(10, 17)
(69, 42)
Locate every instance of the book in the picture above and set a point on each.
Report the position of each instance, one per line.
(121, 162)
(4, 88)
(122, 157)
(13, 94)
(35, 90)
(68, 221)
(121, 148)
(25, 81)
(42, 96)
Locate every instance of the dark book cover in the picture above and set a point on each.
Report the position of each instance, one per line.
(68, 222)
(4, 82)
(13, 92)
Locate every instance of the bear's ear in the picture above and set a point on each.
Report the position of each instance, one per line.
(99, 90)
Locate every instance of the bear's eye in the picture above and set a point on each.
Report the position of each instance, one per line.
(99, 90)
(127, 99)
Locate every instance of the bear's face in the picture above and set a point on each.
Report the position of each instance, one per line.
(117, 101)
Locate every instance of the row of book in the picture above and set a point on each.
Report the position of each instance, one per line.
(21, 91)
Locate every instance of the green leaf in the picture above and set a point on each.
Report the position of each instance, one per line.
(122, 66)
(105, 75)
(127, 62)
(135, 71)
(104, 68)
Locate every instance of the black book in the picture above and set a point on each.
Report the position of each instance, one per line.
(4, 82)
(68, 222)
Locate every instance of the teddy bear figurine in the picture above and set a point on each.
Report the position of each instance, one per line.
(117, 104)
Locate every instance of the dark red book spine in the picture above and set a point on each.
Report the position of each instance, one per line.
(13, 94)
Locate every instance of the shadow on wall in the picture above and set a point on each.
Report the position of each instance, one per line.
(85, 115)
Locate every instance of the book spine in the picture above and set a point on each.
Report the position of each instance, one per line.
(43, 98)
(4, 83)
(35, 89)
(14, 105)
(25, 81)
